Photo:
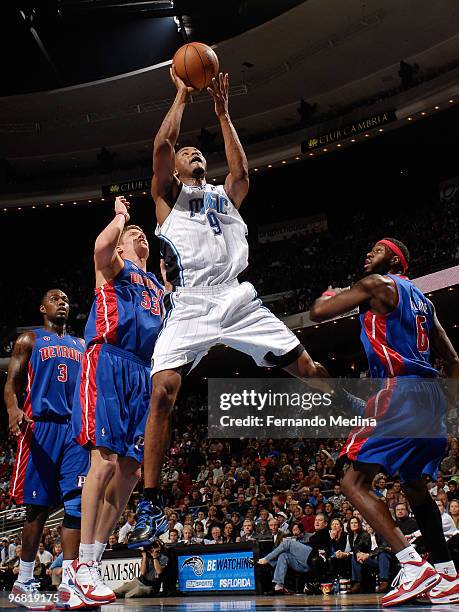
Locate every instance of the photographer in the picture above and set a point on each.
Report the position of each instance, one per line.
(151, 568)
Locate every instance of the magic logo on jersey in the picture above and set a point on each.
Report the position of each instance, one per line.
(209, 201)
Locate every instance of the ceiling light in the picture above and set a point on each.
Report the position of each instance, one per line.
(352, 139)
(325, 150)
(380, 130)
(410, 118)
(451, 101)
(423, 113)
(437, 107)
(311, 154)
(270, 165)
(338, 145)
(283, 161)
(366, 135)
(297, 157)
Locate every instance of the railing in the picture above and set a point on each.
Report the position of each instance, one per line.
(11, 521)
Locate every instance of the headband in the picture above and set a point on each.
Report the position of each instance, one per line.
(397, 251)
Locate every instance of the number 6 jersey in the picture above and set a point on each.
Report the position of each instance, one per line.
(397, 344)
(52, 375)
(126, 312)
(203, 238)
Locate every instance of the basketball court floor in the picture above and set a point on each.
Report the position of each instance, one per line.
(240, 603)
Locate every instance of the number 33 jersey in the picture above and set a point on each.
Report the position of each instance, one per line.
(52, 375)
(126, 312)
(398, 344)
(203, 239)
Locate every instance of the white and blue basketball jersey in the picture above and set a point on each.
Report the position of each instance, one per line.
(203, 239)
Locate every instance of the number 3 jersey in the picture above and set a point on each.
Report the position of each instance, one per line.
(397, 344)
(126, 312)
(52, 375)
(203, 238)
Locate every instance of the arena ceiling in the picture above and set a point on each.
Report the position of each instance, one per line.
(326, 52)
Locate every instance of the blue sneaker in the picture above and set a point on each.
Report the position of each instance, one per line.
(151, 523)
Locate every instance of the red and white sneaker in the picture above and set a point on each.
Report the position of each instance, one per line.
(406, 587)
(68, 598)
(446, 591)
(89, 584)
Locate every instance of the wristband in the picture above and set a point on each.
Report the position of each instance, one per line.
(328, 293)
(125, 215)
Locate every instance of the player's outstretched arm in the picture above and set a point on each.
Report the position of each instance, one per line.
(335, 302)
(107, 261)
(443, 348)
(16, 380)
(165, 185)
(237, 181)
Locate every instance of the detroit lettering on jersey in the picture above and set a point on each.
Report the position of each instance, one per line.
(52, 374)
(398, 344)
(203, 239)
(50, 352)
(126, 312)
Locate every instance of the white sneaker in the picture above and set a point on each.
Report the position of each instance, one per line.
(26, 594)
(68, 598)
(413, 579)
(89, 584)
(446, 591)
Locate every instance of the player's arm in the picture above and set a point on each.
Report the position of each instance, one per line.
(16, 380)
(336, 302)
(443, 347)
(165, 186)
(237, 181)
(107, 261)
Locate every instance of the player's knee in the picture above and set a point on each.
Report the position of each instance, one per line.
(164, 393)
(104, 468)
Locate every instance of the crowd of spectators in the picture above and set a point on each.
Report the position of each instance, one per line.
(273, 492)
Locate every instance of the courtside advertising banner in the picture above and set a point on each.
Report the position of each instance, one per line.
(220, 571)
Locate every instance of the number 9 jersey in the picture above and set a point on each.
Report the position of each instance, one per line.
(203, 238)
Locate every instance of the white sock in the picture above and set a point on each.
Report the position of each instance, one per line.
(408, 554)
(99, 548)
(65, 574)
(86, 553)
(25, 570)
(447, 567)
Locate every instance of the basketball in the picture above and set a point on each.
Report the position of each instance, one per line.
(196, 64)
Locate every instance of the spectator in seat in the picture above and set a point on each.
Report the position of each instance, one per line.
(126, 528)
(215, 536)
(262, 524)
(276, 535)
(308, 518)
(454, 511)
(229, 534)
(407, 525)
(377, 557)
(151, 568)
(320, 543)
(188, 536)
(199, 530)
(249, 532)
(337, 498)
(338, 562)
(453, 492)
(283, 523)
(291, 553)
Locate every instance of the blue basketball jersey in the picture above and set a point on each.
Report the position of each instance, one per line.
(126, 312)
(397, 344)
(52, 374)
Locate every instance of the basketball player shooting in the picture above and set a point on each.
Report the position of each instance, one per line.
(399, 325)
(205, 249)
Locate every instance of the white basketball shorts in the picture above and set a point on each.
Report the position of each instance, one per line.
(231, 314)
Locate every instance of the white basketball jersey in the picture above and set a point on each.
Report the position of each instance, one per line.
(203, 238)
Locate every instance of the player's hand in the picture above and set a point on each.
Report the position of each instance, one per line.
(179, 84)
(16, 418)
(219, 92)
(122, 207)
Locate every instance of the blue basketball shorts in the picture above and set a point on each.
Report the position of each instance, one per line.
(50, 467)
(111, 401)
(410, 437)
